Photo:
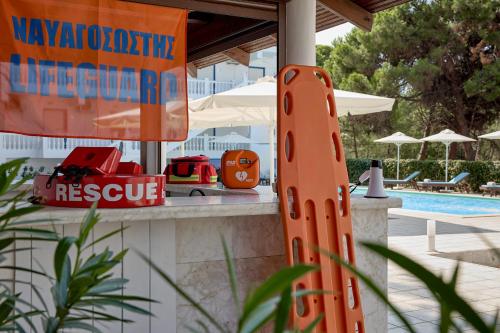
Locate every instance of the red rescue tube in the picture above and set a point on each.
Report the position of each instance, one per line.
(115, 191)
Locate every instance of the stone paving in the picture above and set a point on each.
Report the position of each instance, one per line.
(479, 284)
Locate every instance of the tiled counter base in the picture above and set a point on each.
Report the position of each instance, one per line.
(184, 239)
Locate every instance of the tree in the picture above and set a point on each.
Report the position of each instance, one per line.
(439, 55)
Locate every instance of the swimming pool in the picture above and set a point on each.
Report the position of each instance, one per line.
(444, 203)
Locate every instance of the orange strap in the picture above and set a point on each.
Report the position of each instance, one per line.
(312, 177)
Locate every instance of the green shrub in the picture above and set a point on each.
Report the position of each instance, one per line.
(481, 172)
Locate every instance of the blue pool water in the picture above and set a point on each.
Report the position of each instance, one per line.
(439, 203)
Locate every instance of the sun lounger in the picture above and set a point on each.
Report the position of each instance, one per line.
(455, 183)
(409, 180)
(491, 188)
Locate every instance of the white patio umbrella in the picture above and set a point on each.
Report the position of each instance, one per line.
(251, 105)
(256, 105)
(447, 137)
(398, 139)
(233, 138)
(491, 136)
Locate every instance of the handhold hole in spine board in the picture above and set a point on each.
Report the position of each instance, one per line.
(293, 202)
(290, 75)
(336, 146)
(329, 209)
(289, 146)
(302, 304)
(287, 103)
(321, 76)
(298, 251)
(346, 242)
(344, 200)
(351, 293)
(330, 105)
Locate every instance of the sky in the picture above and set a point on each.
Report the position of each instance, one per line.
(326, 37)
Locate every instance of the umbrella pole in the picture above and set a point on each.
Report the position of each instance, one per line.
(446, 163)
(397, 165)
(271, 153)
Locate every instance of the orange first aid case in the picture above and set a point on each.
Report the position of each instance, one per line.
(240, 169)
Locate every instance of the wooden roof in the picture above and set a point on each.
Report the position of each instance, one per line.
(216, 27)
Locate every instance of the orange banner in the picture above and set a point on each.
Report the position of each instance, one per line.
(102, 69)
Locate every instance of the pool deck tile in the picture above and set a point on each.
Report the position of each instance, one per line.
(478, 284)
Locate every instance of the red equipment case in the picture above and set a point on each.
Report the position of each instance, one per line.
(99, 160)
(95, 174)
(129, 168)
(191, 170)
(113, 191)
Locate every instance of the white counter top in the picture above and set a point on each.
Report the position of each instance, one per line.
(200, 206)
(217, 189)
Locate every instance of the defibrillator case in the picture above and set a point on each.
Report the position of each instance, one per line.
(240, 169)
(191, 170)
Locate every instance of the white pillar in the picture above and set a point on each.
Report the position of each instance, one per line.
(150, 157)
(271, 152)
(301, 32)
(431, 235)
(163, 156)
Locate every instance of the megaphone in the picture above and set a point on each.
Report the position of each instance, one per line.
(363, 178)
(376, 185)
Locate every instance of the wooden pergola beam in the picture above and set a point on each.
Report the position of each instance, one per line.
(350, 11)
(223, 44)
(192, 70)
(238, 55)
(260, 11)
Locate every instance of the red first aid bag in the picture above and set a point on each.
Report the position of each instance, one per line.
(191, 170)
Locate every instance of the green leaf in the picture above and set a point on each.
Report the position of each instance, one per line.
(6, 308)
(98, 313)
(8, 172)
(80, 325)
(61, 254)
(30, 231)
(106, 236)
(60, 289)
(108, 286)
(120, 255)
(89, 221)
(283, 311)
(232, 276)
(51, 325)
(18, 212)
(5, 242)
(259, 316)
(273, 286)
(108, 301)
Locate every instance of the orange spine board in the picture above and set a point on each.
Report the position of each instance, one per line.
(312, 176)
